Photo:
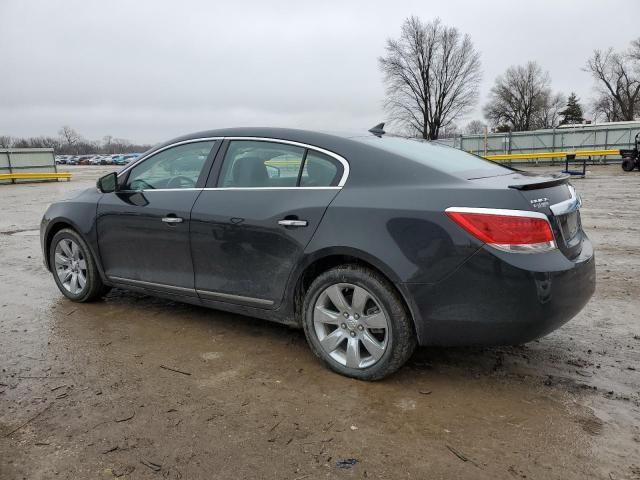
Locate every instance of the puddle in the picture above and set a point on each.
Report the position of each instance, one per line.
(23, 233)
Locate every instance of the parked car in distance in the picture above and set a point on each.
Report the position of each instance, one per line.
(370, 243)
(130, 158)
(124, 159)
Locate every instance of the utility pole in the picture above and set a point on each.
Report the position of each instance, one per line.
(486, 132)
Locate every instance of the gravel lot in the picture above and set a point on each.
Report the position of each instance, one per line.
(83, 391)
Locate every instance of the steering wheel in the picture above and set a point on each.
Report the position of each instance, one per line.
(139, 184)
(181, 182)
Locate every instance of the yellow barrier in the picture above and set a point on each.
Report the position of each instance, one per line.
(36, 176)
(577, 153)
(282, 163)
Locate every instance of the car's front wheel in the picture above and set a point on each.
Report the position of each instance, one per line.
(73, 267)
(355, 321)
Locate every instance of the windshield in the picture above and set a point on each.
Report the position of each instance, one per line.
(440, 157)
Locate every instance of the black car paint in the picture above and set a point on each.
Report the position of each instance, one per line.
(135, 244)
(458, 290)
(517, 306)
(224, 251)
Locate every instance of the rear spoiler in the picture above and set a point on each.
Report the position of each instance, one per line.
(545, 182)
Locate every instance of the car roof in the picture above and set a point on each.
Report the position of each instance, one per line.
(327, 140)
(272, 132)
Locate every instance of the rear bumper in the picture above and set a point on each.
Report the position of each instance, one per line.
(503, 298)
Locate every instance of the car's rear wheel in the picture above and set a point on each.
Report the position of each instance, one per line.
(355, 321)
(73, 267)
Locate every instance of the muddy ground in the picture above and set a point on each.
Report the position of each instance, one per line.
(84, 393)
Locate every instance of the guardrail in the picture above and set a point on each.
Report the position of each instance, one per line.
(36, 176)
(567, 156)
(540, 155)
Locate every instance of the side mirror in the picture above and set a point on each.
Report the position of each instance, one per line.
(108, 183)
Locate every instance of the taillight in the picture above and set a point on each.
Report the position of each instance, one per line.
(509, 230)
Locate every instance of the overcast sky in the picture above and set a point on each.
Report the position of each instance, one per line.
(151, 70)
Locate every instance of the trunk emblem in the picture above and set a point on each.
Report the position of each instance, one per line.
(539, 202)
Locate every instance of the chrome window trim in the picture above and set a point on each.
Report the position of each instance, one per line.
(343, 161)
(345, 164)
(206, 189)
(272, 188)
(147, 190)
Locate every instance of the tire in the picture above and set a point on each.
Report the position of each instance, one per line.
(628, 164)
(67, 243)
(325, 324)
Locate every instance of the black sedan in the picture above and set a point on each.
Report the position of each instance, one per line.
(373, 244)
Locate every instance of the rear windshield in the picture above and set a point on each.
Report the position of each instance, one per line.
(440, 157)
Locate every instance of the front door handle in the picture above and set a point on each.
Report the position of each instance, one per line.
(293, 223)
(171, 220)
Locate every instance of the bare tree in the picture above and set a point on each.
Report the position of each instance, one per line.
(617, 76)
(431, 74)
(6, 141)
(634, 51)
(606, 108)
(547, 113)
(69, 137)
(521, 98)
(37, 142)
(475, 127)
(450, 130)
(72, 145)
(120, 144)
(106, 142)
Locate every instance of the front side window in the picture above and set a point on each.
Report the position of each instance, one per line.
(174, 168)
(249, 163)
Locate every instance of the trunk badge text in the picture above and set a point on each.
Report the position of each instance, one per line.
(539, 202)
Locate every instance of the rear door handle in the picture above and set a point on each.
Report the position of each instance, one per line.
(171, 220)
(293, 223)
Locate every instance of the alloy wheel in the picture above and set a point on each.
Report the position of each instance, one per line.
(351, 325)
(71, 266)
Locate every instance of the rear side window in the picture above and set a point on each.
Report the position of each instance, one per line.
(269, 164)
(320, 170)
(440, 157)
(249, 163)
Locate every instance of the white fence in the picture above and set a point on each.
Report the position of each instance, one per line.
(607, 136)
(25, 160)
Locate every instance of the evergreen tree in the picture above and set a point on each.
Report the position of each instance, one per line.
(573, 112)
